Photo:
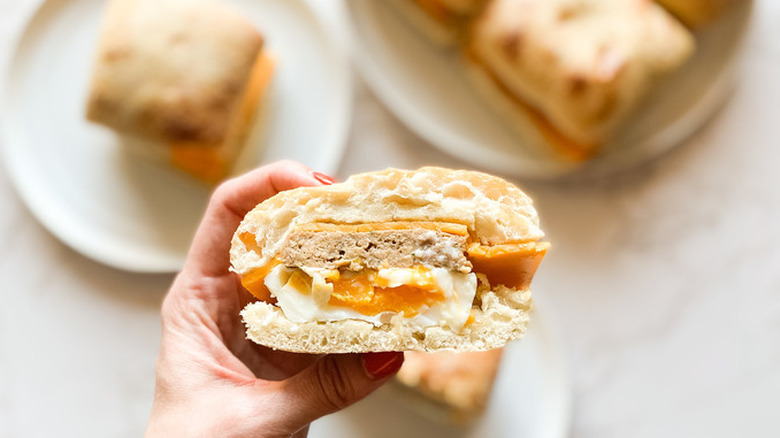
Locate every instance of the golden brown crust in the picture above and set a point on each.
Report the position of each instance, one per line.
(494, 210)
(172, 70)
(460, 382)
(583, 64)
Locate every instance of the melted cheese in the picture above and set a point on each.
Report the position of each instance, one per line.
(444, 227)
(254, 282)
(564, 146)
(212, 162)
(511, 265)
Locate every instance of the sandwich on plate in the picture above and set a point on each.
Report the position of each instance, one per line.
(187, 75)
(394, 260)
(447, 386)
(566, 73)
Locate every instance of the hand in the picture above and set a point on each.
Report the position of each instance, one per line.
(210, 380)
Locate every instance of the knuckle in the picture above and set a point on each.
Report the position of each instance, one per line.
(337, 388)
(222, 191)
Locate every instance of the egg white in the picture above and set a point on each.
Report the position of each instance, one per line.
(312, 305)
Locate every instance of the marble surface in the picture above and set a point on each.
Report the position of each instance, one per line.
(665, 279)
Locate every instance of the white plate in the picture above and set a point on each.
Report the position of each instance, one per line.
(425, 87)
(531, 398)
(124, 211)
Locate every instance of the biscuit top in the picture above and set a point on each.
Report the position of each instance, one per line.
(582, 63)
(494, 211)
(172, 70)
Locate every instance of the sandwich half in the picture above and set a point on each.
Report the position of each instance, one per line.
(443, 22)
(390, 261)
(565, 73)
(454, 387)
(187, 74)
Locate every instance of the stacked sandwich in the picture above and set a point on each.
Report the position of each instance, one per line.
(424, 260)
(432, 260)
(448, 386)
(188, 75)
(565, 73)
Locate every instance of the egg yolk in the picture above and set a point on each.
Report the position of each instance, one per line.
(364, 294)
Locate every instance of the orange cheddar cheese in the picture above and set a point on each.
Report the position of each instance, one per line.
(564, 146)
(205, 162)
(211, 162)
(512, 265)
(444, 227)
(254, 282)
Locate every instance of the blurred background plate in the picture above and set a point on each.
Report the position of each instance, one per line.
(531, 397)
(425, 87)
(127, 212)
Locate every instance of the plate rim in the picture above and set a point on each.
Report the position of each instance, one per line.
(124, 260)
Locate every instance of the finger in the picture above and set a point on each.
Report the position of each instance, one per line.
(241, 194)
(269, 364)
(333, 383)
(209, 252)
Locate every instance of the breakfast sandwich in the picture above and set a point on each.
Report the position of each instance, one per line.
(454, 387)
(443, 22)
(567, 72)
(394, 260)
(188, 74)
(696, 13)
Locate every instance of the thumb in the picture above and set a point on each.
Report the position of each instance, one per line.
(334, 382)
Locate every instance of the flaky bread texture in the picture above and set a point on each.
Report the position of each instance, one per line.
(494, 211)
(582, 64)
(172, 70)
(459, 384)
(501, 315)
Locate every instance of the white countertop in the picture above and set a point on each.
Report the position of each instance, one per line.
(665, 279)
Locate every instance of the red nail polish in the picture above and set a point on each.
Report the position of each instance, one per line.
(381, 365)
(321, 177)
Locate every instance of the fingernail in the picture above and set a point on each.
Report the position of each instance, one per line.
(321, 177)
(381, 365)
